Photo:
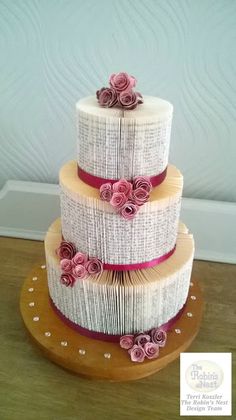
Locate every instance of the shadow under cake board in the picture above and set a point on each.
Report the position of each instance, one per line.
(95, 358)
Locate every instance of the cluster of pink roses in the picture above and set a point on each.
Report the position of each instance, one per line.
(127, 197)
(144, 345)
(120, 92)
(76, 265)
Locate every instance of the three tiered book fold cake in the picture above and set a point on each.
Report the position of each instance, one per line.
(119, 261)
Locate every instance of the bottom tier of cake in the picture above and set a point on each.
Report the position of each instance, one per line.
(127, 302)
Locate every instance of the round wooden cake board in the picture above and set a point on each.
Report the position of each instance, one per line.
(94, 358)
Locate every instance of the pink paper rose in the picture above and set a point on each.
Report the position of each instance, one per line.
(129, 100)
(143, 182)
(94, 266)
(66, 250)
(67, 279)
(151, 350)
(107, 97)
(66, 265)
(122, 82)
(80, 258)
(118, 200)
(98, 93)
(106, 192)
(142, 339)
(129, 210)
(79, 271)
(122, 186)
(137, 353)
(158, 336)
(140, 196)
(126, 341)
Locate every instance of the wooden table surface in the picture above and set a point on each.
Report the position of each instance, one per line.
(33, 388)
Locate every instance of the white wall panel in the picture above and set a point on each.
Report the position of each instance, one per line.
(53, 52)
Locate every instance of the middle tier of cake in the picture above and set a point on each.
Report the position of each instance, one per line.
(96, 229)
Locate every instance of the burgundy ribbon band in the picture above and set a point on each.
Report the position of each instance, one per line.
(96, 182)
(103, 336)
(139, 266)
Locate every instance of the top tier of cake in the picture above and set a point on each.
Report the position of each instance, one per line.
(114, 143)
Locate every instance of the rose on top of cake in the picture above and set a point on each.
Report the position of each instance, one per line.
(120, 92)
